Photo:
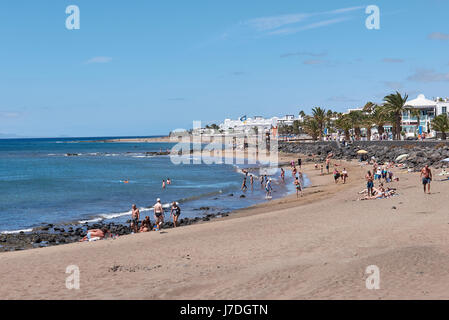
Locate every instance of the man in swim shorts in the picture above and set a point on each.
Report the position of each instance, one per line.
(158, 213)
(135, 217)
(426, 176)
(298, 187)
(369, 183)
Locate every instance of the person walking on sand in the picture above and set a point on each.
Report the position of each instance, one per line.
(369, 183)
(298, 187)
(337, 175)
(158, 213)
(135, 218)
(175, 213)
(426, 176)
(322, 169)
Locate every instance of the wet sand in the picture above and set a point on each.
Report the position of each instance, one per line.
(315, 247)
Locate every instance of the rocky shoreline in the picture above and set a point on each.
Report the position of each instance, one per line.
(418, 153)
(52, 235)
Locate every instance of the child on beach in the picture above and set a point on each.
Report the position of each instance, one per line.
(344, 175)
(298, 187)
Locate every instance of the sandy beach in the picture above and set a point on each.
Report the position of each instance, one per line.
(315, 247)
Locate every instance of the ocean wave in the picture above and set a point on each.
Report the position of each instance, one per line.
(16, 231)
(108, 216)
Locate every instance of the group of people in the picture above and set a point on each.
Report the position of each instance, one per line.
(297, 176)
(165, 183)
(159, 216)
(382, 174)
(265, 182)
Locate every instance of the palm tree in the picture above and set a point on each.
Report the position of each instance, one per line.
(311, 127)
(369, 107)
(344, 123)
(416, 113)
(379, 118)
(395, 104)
(441, 124)
(356, 121)
(367, 122)
(319, 115)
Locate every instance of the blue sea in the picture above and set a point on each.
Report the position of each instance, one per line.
(40, 183)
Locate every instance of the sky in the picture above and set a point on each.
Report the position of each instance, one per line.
(139, 68)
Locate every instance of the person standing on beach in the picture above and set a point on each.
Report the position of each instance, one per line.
(344, 175)
(282, 175)
(261, 181)
(251, 181)
(268, 188)
(244, 187)
(298, 187)
(175, 213)
(369, 183)
(135, 217)
(294, 171)
(328, 162)
(299, 163)
(158, 213)
(426, 175)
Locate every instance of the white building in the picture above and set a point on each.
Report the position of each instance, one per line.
(245, 125)
(428, 110)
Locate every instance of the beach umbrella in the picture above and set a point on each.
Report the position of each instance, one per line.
(402, 156)
(362, 152)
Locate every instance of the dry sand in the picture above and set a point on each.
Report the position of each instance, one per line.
(315, 247)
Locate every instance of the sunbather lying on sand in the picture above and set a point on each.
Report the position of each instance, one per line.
(378, 193)
(95, 233)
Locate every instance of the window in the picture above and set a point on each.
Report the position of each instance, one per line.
(443, 110)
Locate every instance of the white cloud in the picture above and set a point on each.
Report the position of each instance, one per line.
(308, 27)
(392, 60)
(269, 23)
(9, 114)
(439, 36)
(291, 23)
(427, 75)
(314, 61)
(99, 60)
